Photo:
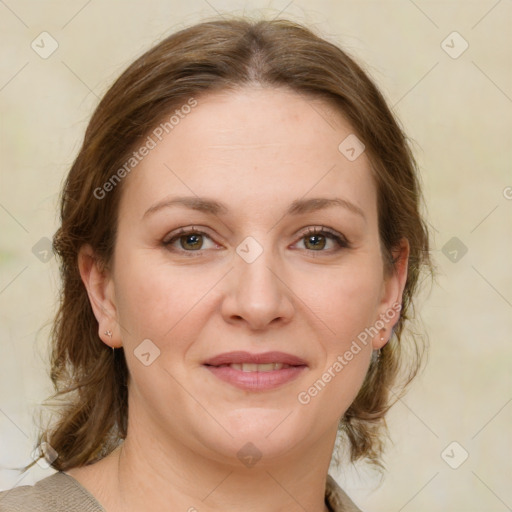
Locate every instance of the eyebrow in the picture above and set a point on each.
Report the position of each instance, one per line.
(297, 207)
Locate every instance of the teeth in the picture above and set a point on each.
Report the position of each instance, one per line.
(251, 367)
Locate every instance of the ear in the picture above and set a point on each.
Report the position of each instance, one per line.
(100, 289)
(392, 292)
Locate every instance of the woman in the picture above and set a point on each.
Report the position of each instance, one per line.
(240, 244)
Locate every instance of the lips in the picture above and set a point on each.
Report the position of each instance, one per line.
(255, 359)
(256, 372)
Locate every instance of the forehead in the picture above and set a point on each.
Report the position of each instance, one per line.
(253, 146)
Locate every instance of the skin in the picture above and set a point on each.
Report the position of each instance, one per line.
(256, 150)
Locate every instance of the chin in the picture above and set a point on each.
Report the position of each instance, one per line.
(273, 432)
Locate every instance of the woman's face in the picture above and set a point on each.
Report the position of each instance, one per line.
(250, 176)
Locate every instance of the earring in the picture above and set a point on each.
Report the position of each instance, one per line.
(109, 334)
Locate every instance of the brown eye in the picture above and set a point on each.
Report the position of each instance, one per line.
(317, 239)
(188, 241)
(191, 241)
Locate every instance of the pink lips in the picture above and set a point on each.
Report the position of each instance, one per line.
(246, 357)
(256, 380)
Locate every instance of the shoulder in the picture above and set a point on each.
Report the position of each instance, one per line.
(337, 499)
(56, 493)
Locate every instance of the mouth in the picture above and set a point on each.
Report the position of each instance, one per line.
(251, 367)
(256, 372)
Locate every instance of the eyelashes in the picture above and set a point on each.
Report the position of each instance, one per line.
(327, 234)
(193, 237)
(186, 233)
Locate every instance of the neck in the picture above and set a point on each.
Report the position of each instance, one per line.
(151, 476)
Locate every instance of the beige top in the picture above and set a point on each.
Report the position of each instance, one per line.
(60, 492)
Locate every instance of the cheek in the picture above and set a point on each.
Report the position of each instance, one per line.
(349, 308)
(140, 290)
(154, 299)
(348, 302)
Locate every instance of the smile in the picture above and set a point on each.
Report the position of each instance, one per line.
(256, 372)
(251, 367)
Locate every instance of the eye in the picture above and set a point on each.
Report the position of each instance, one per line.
(189, 240)
(315, 240)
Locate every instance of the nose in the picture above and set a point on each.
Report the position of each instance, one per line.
(257, 293)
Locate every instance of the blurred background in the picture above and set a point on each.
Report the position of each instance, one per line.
(446, 69)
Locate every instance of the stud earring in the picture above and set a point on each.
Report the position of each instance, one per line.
(109, 334)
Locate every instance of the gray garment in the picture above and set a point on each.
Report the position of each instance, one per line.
(60, 492)
(55, 493)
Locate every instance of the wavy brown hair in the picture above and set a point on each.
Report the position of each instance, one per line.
(215, 55)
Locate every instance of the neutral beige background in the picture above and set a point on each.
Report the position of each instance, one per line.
(458, 111)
